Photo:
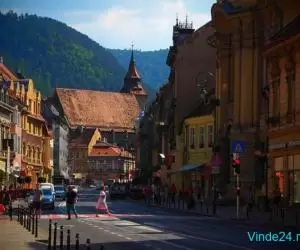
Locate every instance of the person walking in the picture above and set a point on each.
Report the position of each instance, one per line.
(101, 203)
(37, 202)
(6, 200)
(71, 199)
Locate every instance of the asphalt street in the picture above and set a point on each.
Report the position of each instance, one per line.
(135, 226)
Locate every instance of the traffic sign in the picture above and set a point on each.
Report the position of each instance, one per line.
(238, 147)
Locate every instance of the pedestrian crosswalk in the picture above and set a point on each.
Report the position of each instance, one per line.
(64, 216)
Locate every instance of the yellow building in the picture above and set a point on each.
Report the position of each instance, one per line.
(196, 148)
(35, 135)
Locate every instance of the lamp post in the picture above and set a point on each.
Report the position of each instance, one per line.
(209, 96)
(265, 94)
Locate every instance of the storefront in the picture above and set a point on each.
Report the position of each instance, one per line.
(285, 170)
(2, 172)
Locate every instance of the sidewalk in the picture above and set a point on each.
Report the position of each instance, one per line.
(14, 236)
(256, 218)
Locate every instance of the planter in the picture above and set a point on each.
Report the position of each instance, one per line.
(28, 179)
(21, 180)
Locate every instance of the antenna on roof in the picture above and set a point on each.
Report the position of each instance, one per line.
(177, 21)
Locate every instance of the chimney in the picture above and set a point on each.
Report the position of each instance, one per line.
(1, 59)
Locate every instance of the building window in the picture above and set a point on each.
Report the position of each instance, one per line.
(30, 106)
(192, 137)
(276, 96)
(24, 149)
(201, 137)
(290, 81)
(210, 135)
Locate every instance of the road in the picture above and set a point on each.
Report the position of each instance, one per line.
(136, 226)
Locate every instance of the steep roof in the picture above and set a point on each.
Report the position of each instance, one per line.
(132, 72)
(105, 149)
(107, 110)
(6, 73)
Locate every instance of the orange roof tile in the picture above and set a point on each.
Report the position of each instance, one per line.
(6, 73)
(99, 109)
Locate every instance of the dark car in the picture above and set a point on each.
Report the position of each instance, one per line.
(118, 191)
(60, 192)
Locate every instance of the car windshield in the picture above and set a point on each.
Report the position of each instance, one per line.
(47, 192)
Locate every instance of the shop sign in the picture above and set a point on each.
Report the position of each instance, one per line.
(278, 146)
(284, 145)
(2, 165)
(293, 143)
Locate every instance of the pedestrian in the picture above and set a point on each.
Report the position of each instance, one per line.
(6, 200)
(71, 199)
(101, 203)
(37, 202)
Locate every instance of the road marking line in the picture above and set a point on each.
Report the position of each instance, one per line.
(113, 233)
(215, 241)
(120, 235)
(128, 238)
(147, 245)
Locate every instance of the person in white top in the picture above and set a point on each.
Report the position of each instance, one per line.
(101, 205)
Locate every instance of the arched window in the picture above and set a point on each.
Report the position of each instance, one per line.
(24, 149)
(290, 81)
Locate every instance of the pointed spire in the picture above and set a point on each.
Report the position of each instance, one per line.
(132, 71)
(132, 57)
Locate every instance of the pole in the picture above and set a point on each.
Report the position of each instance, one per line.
(237, 196)
(7, 165)
(266, 159)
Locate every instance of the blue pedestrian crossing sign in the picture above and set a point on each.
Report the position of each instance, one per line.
(238, 147)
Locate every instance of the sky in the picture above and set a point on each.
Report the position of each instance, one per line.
(119, 23)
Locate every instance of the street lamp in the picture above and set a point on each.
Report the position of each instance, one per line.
(265, 94)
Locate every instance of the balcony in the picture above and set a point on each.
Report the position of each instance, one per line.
(34, 139)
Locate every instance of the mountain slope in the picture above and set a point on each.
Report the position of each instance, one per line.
(54, 54)
(150, 64)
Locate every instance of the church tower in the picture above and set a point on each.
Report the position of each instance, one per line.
(133, 83)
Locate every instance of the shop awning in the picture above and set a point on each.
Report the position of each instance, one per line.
(188, 167)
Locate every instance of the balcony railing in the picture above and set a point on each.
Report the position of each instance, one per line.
(31, 138)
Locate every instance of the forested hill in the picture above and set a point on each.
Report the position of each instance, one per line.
(53, 54)
(150, 64)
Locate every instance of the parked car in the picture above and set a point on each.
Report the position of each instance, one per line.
(48, 198)
(60, 192)
(118, 191)
(136, 193)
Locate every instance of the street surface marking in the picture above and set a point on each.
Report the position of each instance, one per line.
(120, 235)
(128, 238)
(215, 241)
